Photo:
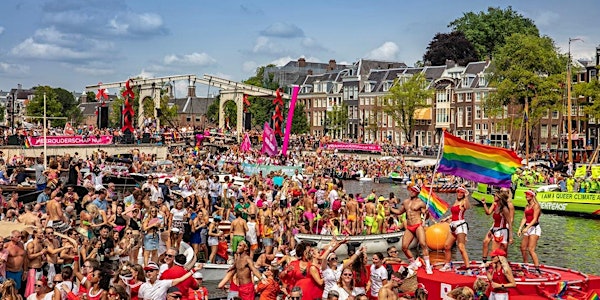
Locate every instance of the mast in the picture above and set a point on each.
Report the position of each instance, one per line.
(527, 131)
(569, 104)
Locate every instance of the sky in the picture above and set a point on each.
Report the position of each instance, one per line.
(76, 43)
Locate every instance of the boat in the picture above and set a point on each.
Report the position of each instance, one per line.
(373, 242)
(214, 272)
(574, 203)
(530, 284)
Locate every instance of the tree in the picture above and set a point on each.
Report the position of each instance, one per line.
(230, 109)
(527, 67)
(261, 108)
(53, 107)
(591, 92)
(299, 121)
(406, 96)
(337, 119)
(453, 46)
(117, 107)
(212, 112)
(488, 31)
(90, 97)
(70, 106)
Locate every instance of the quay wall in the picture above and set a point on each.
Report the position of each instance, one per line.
(84, 151)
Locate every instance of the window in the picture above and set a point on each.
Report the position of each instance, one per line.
(460, 97)
(197, 119)
(555, 114)
(477, 112)
(477, 97)
(469, 116)
(460, 117)
(554, 131)
(478, 127)
(544, 131)
(188, 119)
(469, 97)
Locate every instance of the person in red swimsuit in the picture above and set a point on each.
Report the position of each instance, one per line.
(458, 227)
(499, 275)
(530, 229)
(500, 231)
(415, 209)
(304, 274)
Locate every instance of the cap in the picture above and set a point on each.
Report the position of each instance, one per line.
(197, 275)
(174, 290)
(151, 266)
(461, 189)
(414, 188)
(381, 199)
(530, 192)
(498, 252)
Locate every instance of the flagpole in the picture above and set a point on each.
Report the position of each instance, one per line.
(439, 156)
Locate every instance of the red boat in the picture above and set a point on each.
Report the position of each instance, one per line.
(551, 283)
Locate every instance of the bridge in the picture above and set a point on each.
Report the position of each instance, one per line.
(229, 90)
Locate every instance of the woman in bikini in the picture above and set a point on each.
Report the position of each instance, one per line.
(530, 229)
(500, 231)
(458, 227)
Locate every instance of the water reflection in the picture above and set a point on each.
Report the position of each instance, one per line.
(565, 242)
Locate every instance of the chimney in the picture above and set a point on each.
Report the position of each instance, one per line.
(598, 55)
(309, 72)
(83, 98)
(450, 63)
(332, 65)
(191, 91)
(301, 62)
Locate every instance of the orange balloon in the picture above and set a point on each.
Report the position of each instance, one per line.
(435, 235)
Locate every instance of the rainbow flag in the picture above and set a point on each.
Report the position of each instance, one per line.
(561, 288)
(437, 207)
(593, 296)
(480, 163)
(27, 145)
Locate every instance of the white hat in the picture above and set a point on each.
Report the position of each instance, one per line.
(197, 275)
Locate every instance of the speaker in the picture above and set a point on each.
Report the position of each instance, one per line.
(146, 138)
(102, 117)
(127, 138)
(14, 140)
(247, 121)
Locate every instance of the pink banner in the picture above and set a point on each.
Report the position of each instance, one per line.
(353, 146)
(246, 144)
(290, 118)
(71, 140)
(269, 141)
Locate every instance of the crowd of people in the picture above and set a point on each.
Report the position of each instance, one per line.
(125, 244)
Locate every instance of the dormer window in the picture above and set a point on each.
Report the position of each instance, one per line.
(387, 85)
(468, 80)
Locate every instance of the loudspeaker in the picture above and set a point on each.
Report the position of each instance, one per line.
(102, 117)
(146, 138)
(247, 121)
(127, 138)
(14, 140)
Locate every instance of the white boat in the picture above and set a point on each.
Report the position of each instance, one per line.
(214, 272)
(365, 179)
(373, 242)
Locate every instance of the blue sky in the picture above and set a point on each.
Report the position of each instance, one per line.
(74, 43)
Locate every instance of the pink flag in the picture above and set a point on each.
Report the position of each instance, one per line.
(288, 125)
(246, 144)
(269, 142)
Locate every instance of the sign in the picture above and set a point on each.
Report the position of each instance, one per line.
(595, 171)
(353, 146)
(580, 172)
(72, 140)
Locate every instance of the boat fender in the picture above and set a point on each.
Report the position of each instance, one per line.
(393, 240)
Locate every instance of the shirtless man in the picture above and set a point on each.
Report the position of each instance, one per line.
(16, 258)
(51, 245)
(36, 253)
(352, 213)
(239, 227)
(415, 209)
(371, 211)
(56, 217)
(387, 290)
(244, 268)
(29, 217)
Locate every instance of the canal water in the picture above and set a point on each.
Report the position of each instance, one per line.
(566, 241)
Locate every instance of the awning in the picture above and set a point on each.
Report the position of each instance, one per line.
(422, 114)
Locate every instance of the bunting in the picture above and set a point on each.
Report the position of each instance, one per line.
(128, 112)
(278, 114)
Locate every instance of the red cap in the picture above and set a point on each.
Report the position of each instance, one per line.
(414, 188)
(530, 192)
(498, 252)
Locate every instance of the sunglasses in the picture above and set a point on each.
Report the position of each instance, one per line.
(175, 296)
(127, 232)
(169, 255)
(347, 274)
(333, 258)
(149, 271)
(295, 298)
(38, 285)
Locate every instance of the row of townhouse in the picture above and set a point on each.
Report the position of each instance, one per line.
(457, 106)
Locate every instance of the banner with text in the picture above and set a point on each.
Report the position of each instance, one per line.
(251, 169)
(70, 140)
(353, 147)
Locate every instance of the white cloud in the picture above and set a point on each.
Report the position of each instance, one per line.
(312, 44)
(387, 51)
(144, 74)
(249, 66)
(1, 30)
(283, 30)
(7, 68)
(131, 24)
(32, 49)
(264, 45)
(181, 88)
(195, 59)
(94, 71)
(281, 61)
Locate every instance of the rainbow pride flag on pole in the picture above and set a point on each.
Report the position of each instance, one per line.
(437, 207)
(480, 163)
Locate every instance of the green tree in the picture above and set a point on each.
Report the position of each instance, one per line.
(90, 97)
(337, 119)
(527, 67)
(489, 30)
(454, 46)
(590, 91)
(261, 108)
(212, 112)
(70, 106)
(230, 109)
(404, 98)
(2, 112)
(300, 121)
(117, 108)
(54, 107)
